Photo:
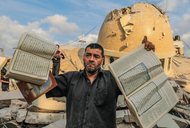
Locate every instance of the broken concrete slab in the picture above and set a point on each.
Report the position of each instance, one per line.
(125, 125)
(123, 115)
(11, 95)
(10, 124)
(46, 105)
(58, 124)
(37, 118)
(5, 114)
(120, 102)
(15, 105)
(170, 121)
(19, 103)
(4, 103)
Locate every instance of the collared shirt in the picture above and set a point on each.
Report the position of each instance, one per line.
(57, 59)
(88, 105)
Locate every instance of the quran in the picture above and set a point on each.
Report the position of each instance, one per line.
(144, 85)
(31, 91)
(31, 60)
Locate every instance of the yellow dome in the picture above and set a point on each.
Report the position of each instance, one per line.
(123, 30)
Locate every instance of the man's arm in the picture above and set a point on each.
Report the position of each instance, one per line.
(4, 81)
(62, 56)
(62, 86)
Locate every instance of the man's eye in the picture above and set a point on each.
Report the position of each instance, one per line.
(97, 56)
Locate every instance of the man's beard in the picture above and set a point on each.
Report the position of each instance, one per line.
(91, 70)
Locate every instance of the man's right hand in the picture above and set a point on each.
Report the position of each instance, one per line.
(148, 45)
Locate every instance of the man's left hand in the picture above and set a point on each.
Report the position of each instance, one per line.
(148, 45)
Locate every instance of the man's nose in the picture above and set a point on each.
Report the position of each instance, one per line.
(91, 58)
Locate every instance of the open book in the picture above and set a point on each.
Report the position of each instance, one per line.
(144, 84)
(31, 91)
(31, 61)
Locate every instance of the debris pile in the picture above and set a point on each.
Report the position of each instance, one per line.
(16, 113)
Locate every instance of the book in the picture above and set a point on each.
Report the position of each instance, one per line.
(144, 85)
(31, 91)
(31, 61)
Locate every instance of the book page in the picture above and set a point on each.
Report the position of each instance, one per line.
(31, 64)
(138, 67)
(29, 68)
(37, 46)
(153, 101)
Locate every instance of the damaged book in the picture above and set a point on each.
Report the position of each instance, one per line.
(32, 91)
(31, 61)
(144, 85)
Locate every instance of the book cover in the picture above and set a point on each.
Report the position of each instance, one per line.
(31, 91)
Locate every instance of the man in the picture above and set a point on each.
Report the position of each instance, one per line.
(56, 61)
(91, 93)
(4, 80)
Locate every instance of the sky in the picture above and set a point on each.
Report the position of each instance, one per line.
(65, 21)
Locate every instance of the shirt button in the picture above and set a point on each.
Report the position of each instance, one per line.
(88, 94)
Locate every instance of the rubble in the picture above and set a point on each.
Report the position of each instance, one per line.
(58, 124)
(171, 121)
(47, 105)
(5, 114)
(37, 118)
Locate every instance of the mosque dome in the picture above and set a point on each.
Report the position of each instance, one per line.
(123, 30)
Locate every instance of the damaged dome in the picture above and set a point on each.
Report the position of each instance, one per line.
(123, 30)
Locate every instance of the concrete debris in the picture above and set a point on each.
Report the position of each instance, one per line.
(125, 125)
(47, 105)
(124, 116)
(37, 118)
(5, 114)
(4, 103)
(170, 121)
(11, 95)
(10, 124)
(58, 124)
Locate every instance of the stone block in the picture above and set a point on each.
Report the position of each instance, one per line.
(11, 95)
(38, 118)
(5, 114)
(58, 124)
(4, 103)
(125, 125)
(46, 105)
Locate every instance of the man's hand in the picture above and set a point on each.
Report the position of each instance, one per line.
(60, 56)
(148, 45)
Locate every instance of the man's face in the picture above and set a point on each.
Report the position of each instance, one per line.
(93, 60)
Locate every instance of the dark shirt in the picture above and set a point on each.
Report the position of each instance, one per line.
(57, 59)
(5, 86)
(3, 71)
(88, 105)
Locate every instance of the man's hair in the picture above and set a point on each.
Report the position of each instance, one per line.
(95, 46)
(57, 45)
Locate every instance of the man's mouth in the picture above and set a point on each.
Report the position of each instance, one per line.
(91, 65)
